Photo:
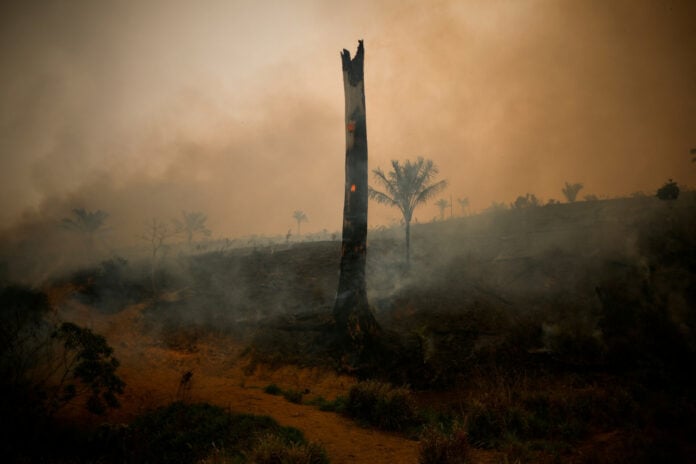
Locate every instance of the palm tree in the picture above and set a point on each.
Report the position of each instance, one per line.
(192, 223)
(527, 201)
(406, 186)
(300, 217)
(571, 191)
(463, 204)
(87, 223)
(443, 205)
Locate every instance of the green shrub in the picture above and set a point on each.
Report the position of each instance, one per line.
(54, 362)
(186, 433)
(669, 191)
(293, 396)
(439, 447)
(110, 286)
(337, 405)
(382, 405)
(94, 369)
(273, 389)
(485, 426)
(178, 433)
(272, 449)
(540, 417)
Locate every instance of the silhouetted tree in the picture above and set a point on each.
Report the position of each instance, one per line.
(406, 186)
(527, 201)
(45, 364)
(89, 368)
(300, 217)
(442, 204)
(570, 191)
(669, 191)
(463, 204)
(87, 223)
(496, 207)
(156, 234)
(191, 224)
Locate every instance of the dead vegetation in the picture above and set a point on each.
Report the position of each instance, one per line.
(550, 334)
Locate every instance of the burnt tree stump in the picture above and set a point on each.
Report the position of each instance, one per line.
(352, 314)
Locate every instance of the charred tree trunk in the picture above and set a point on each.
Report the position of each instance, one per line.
(352, 314)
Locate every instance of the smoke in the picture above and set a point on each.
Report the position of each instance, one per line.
(522, 97)
(235, 109)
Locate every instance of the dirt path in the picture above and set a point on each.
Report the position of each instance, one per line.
(153, 373)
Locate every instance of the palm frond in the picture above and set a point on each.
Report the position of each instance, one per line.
(68, 223)
(389, 184)
(380, 197)
(85, 221)
(300, 216)
(406, 185)
(430, 191)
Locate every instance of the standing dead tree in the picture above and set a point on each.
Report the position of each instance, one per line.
(156, 234)
(354, 320)
(191, 224)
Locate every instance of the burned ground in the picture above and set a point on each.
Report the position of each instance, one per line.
(561, 332)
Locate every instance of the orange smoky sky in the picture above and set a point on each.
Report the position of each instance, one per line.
(235, 108)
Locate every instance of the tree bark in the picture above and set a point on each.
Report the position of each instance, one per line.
(351, 310)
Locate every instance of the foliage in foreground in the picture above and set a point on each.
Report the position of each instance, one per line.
(89, 364)
(272, 449)
(187, 433)
(437, 446)
(45, 364)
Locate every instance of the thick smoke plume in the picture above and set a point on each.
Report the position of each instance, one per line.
(234, 109)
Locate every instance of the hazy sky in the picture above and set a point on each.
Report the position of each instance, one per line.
(235, 108)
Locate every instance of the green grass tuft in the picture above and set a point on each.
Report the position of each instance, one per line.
(272, 449)
(382, 405)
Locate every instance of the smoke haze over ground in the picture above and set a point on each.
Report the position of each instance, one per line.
(551, 332)
(236, 108)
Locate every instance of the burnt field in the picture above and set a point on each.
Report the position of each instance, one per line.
(562, 333)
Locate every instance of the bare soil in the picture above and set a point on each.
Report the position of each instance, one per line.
(501, 309)
(153, 372)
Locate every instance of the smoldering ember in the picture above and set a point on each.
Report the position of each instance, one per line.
(199, 263)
